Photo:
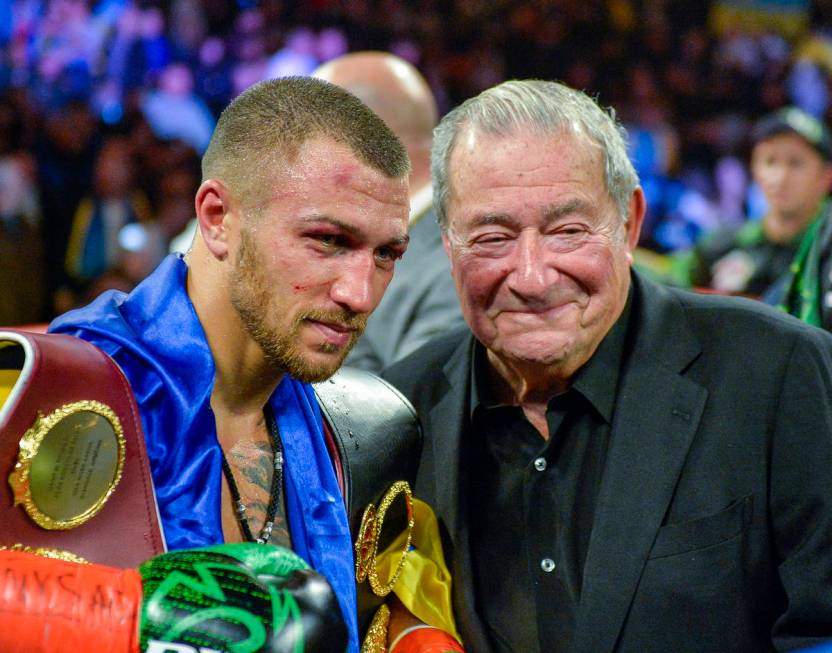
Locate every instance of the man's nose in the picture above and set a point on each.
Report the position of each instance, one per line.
(354, 287)
(528, 277)
(777, 174)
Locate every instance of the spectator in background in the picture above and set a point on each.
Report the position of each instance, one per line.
(296, 57)
(676, 212)
(420, 301)
(174, 111)
(102, 242)
(790, 161)
(331, 43)
(22, 298)
(249, 51)
(213, 74)
(807, 290)
(188, 28)
(66, 48)
(138, 51)
(807, 81)
(65, 152)
(174, 197)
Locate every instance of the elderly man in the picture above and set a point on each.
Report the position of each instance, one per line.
(616, 466)
(420, 302)
(302, 213)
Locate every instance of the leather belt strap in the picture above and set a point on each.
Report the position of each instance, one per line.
(61, 384)
(378, 441)
(376, 432)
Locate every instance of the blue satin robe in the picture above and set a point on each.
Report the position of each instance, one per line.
(156, 338)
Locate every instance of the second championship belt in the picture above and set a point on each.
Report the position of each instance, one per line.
(74, 475)
(376, 443)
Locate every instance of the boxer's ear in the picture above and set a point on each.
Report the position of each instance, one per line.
(214, 206)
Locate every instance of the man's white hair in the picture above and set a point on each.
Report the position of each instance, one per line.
(548, 107)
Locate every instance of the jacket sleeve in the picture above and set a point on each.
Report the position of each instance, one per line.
(800, 500)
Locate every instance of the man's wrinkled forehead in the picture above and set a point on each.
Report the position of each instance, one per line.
(474, 145)
(467, 149)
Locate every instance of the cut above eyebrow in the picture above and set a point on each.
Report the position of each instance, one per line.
(351, 229)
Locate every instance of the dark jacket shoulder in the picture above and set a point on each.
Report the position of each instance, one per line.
(718, 316)
(426, 363)
(724, 339)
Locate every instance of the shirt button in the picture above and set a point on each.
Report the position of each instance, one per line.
(540, 464)
(547, 565)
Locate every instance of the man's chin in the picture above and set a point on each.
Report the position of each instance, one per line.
(540, 354)
(313, 375)
(319, 366)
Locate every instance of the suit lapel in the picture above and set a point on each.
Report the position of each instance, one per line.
(656, 416)
(449, 424)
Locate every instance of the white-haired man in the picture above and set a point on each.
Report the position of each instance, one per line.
(616, 466)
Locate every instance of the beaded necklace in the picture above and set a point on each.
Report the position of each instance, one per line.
(274, 493)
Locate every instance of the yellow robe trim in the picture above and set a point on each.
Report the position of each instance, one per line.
(424, 586)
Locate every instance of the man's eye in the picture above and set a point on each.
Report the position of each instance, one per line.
(491, 239)
(388, 254)
(330, 240)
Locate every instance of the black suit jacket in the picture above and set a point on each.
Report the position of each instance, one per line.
(713, 529)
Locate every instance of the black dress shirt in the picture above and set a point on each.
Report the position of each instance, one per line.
(532, 501)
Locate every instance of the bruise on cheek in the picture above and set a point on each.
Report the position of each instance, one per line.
(343, 177)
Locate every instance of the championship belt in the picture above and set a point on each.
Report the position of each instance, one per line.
(375, 443)
(74, 476)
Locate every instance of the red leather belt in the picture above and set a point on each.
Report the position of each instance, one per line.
(72, 449)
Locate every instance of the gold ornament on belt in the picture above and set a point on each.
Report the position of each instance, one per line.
(376, 639)
(69, 464)
(369, 533)
(46, 552)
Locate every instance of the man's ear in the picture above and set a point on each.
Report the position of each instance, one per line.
(213, 206)
(635, 219)
(446, 243)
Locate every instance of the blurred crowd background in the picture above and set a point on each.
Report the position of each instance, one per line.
(106, 106)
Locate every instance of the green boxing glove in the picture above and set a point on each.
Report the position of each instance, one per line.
(237, 598)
